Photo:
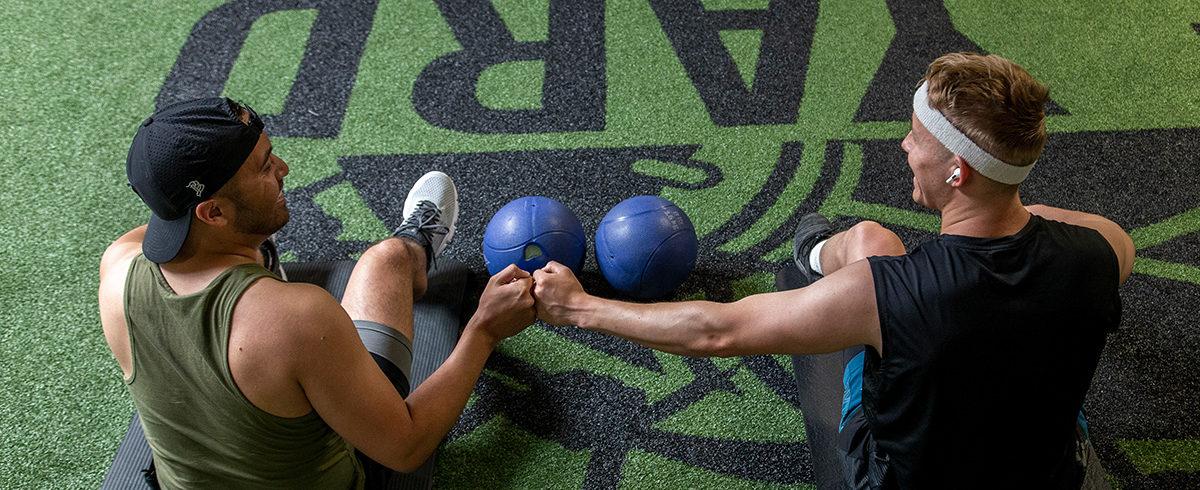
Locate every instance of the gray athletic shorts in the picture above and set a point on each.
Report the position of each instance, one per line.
(391, 350)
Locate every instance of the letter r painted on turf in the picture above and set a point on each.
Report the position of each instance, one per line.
(573, 90)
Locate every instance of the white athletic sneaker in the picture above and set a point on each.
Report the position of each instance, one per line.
(431, 213)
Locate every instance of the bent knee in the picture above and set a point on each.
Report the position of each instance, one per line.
(871, 238)
(396, 256)
(390, 251)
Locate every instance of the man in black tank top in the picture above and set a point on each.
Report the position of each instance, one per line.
(990, 347)
(969, 356)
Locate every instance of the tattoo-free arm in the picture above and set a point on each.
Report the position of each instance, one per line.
(346, 387)
(834, 313)
(114, 266)
(355, 398)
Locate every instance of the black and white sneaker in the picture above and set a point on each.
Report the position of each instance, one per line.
(431, 213)
(812, 229)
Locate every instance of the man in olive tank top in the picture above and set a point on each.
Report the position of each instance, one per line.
(245, 380)
(967, 357)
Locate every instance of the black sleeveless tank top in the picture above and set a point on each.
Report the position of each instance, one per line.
(989, 346)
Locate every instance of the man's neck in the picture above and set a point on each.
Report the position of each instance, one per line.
(204, 258)
(984, 219)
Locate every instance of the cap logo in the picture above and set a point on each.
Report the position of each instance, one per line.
(195, 185)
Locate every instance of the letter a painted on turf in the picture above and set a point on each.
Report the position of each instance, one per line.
(787, 33)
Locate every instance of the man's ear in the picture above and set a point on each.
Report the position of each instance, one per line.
(211, 213)
(965, 172)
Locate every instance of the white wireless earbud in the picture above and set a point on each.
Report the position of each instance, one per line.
(954, 175)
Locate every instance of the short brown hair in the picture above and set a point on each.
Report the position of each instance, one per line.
(993, 101)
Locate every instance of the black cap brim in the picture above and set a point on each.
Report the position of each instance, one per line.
(164, 238)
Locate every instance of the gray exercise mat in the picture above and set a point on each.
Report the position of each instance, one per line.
(438, 318)
(819, 382)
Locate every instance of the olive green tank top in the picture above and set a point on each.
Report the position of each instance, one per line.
(203, 431)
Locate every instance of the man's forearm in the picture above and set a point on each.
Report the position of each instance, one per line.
(436, 405)
(688, 328)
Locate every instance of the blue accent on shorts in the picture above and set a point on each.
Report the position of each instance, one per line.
(852, 379)
(851, 387)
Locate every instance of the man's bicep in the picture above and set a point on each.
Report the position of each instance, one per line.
(347, 389)
(834, 313)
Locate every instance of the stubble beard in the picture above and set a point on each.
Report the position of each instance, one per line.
(267, 221)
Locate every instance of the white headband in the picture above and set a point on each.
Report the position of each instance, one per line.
(959, 144)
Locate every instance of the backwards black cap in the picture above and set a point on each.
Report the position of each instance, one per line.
(180, 157)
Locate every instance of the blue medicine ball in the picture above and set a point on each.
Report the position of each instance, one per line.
(646, 247)
(530, 232)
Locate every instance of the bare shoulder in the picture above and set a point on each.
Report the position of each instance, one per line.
(295, 311)
(1113, 233)
(121, 251)
(271, 334)
(114, 267)
(114, 264)
(277, 299)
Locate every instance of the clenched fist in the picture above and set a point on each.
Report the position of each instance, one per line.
(506, 305)
(558, 293)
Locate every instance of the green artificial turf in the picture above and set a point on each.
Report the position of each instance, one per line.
(1157, 456)
(79, 76)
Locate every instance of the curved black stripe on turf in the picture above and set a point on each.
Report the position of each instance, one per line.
(785, 170)
(766, 369)
(831, 169)
(1184, 250)
(756, 461)
(607, 418)
(624, 350)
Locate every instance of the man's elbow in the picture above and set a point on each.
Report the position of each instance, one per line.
(409, 465)
(405, 460)
(717, 345)
(715, 335)
(407, 454)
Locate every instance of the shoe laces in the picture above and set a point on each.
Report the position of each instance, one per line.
(426, 221)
